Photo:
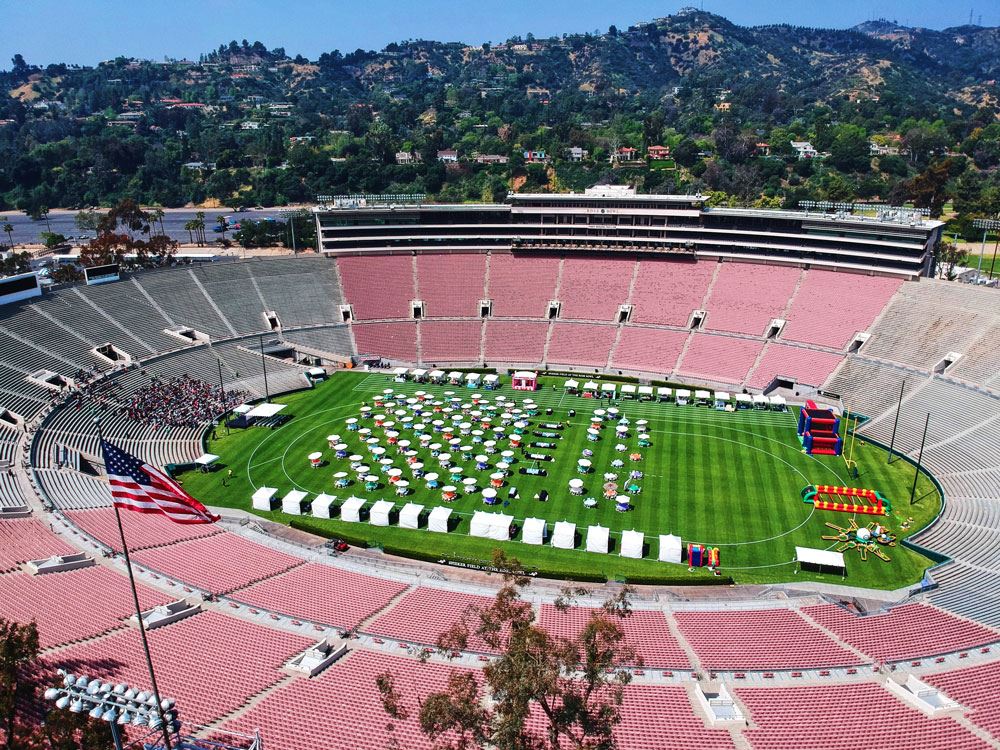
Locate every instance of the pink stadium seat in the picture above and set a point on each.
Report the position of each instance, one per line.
(904, 632)
(342, 710)
(581, 344)
(719, 358)
(667, 292)
(508, 341)
(63, 604)
(218, 564)
(846, 717)
(450, 340)
(831, 307)
(378, 286)
(649, 349)
(26, 539)
(759, 639)
(389, 340)
(593, 289)
(521, 287)
(976, 688)
(660, 717)
(451, 285)
(141, 530)
(747, 296)
(209, 663)
(645, 631)
(322, 594)
(806, 366)
(425, 613)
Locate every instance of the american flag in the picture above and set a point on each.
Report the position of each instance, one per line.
(135, 485)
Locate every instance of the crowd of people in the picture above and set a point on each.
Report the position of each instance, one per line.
(181, 402)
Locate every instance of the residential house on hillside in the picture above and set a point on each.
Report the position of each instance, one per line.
(887, 145)
(407, 157)
(447, 156)
(762, 149)
(624, 154)
(658, 152)
(492, 159)
(575, 153)
(804, 149)
(537, 156)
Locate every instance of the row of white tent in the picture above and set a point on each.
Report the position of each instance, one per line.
(440, 376)
(682, 396)
(484, 524)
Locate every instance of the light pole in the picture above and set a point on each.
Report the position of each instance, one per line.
(987, 225)
(117, 704)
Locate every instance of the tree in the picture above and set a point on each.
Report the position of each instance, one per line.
(849, 151)
(222, 226)
(948, 255)
(87, 220)
(124, 236)
(575, 684)
(26, 723)
(9, 229)
(52, 239)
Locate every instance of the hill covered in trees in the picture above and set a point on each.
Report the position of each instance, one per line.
(880, 112)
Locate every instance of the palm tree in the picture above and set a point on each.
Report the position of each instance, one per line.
(9, 229)
(199, 219)
(190, 226)
(156, 215)
(223, 226)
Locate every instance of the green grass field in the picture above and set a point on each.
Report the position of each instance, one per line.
(731, 480)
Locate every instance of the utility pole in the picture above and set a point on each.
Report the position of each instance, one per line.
(263, 362)
(988, 225)
(895, 424)
(920, 457)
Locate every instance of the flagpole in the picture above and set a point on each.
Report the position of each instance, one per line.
(138, 611)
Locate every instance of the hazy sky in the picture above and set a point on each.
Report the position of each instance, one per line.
(87, 31)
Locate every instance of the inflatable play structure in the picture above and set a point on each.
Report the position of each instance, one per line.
(699, 555)
(818, 430)
(846, 499)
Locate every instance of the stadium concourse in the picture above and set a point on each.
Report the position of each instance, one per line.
(756, 667)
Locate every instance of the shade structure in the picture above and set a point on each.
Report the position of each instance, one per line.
(265, 411)
(670, 548)
(379, 514)
(597, 539)
(438, 520)
(534, 531)
(321, 505)
(632, 542)
(608, 389)
(628, 389)
(821, 558)
(262, 498)
(564, 535)
(409, 516)
(491, 525)
(292, 502)
(351, 509)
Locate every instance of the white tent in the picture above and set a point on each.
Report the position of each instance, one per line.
(608, 389)
(760, 401)
(418, 374)
(778, 403)
(590, 385)
(743, 401)
(597, 539)
(400, 372)
(379, 514)
(534, 531)
(702, 396)
(292, 502)
(472, 378)
(321, 505)
(722, 399)
(664, 394)
(628, 390)
(265, 411)
(438, 519)
(670, 548)
(491, 525)
(823, 558)
(263, 497)
(571, 385)
(351, 509)
(683, 395)
(646, 391)
(564, 535)
(409, 516)
(436, 376)
(491, 380)
(632, 544)
(454, 376)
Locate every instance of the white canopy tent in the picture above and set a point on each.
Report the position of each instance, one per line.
(778, 403)
(743, 401)
(608, 389)
(534, 531)
(472, 378)
(664, 394)
(409, 516)
(628, 391)
(632, 542)
(436, 376)
(702, 396)
(265, 411)
(418, 373)
(683, 396)
(564, 535)
(242, 409)
(646, 391)
(491, 380)
(670, 548)
(822, 558)
(321, 505)
(400, 372)
(438, 519)
(590, 385)
(351, 509)
(571, 385)
(597, 539)
(722, 399)
(491, 525)
(206, 459)
(379, 513)
(454, 376)
(292, 502)
(263, 498)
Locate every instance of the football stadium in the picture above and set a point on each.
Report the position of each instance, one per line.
(776, 428)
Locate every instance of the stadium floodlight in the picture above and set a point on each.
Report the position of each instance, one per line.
(987, 225)
(118, 705)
